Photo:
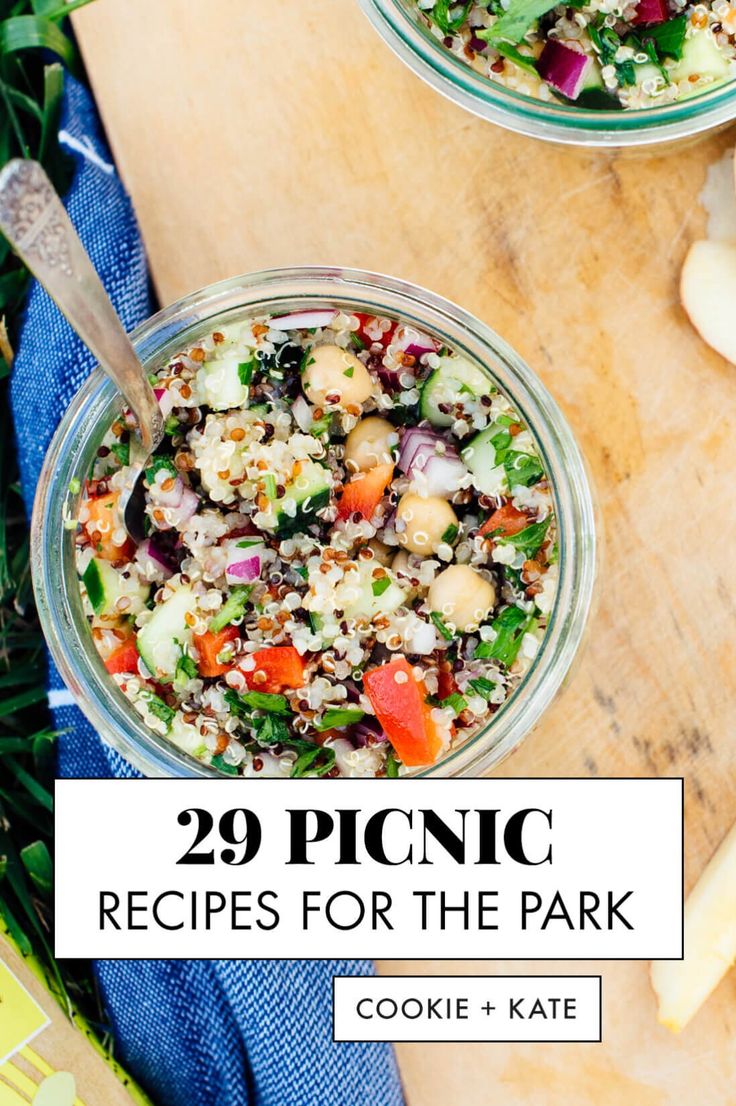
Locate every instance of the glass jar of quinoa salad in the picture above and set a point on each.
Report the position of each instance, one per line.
(610, 54)
(356, 548)
(629, 72)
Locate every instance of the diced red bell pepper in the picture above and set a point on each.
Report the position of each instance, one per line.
(364, 492)
(365, 321)
(281, 666)
(507, 520)
(124, 658)
(209, 646)
(102, 522)
(399, 700)
(651, 12)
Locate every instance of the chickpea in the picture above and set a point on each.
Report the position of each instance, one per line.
(462, 597)
(369, 444)
(332, 371)
(382, 553)
(426, 520)
(400, 563)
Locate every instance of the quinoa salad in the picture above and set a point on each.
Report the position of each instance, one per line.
(604, 54)
(351, 550)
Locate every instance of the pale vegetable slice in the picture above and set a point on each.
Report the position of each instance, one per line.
(707, 287)
(682, 986)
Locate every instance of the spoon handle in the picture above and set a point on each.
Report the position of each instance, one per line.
(33, 219)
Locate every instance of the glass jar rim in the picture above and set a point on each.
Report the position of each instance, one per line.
(93, 409)
(561, 123)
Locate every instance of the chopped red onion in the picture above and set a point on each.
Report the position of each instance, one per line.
(243, 560)
(651, 11)
(170, 498)
(440, 476)
(244, 571)
(188, 506)
(422, 640)
(302, 413)
(363, 732)
(303, 320)
(412, 439)
(413, 341)
(391, 378)
(563, 68)
(149, 553)
(165, 401)
(431, 462)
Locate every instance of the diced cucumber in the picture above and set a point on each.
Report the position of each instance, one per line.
(310, 491)
(105, 585)
(592, 78)
(647, 71)
(223, 383)
(446, 385)
(368, 604)
(483, 456)
(161, 639)
(701, 57)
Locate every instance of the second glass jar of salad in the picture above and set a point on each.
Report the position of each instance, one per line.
(602, 72)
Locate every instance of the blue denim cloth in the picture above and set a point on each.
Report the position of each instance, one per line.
(215, 1033)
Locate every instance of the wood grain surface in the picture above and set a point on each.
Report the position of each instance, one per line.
(252, 135)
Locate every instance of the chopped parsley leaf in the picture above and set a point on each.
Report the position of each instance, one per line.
(510, 627)
(262, 700)
(227, 769)
(336, 717)
(379, 586)
(317, 761)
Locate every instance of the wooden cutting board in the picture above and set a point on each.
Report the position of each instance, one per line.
(259, 134)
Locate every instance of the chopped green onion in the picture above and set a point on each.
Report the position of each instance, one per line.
(450, 533)
(349, 372)
(269, 485)
(437, 619)
(356, 341)
(482, 686)
(379, 586)
(392, 765)
(233, 608)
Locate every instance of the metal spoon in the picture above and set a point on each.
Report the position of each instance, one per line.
(35, 223)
